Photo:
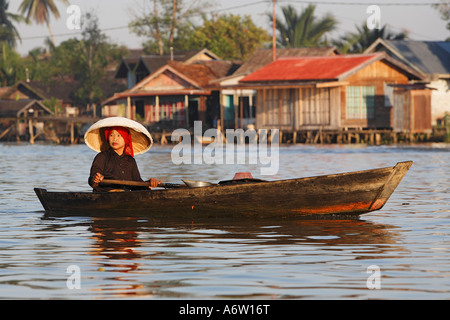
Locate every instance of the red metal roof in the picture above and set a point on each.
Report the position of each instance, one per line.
(308, 68)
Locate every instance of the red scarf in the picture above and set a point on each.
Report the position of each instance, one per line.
(125, 133)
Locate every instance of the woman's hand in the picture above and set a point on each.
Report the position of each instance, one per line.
(154, 183)
(98, 178)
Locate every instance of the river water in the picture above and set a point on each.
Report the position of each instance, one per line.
(399, 252)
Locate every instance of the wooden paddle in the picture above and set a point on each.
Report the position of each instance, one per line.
(140, 183)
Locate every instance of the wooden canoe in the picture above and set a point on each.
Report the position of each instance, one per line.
(344, 194)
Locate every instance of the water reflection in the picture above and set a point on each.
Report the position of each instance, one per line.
(147, 257)
(116, 251)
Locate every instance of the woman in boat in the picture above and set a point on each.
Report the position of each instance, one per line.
(116, 158)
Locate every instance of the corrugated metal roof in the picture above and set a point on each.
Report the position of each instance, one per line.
(430, 57)
(308, 68)
(264, 56)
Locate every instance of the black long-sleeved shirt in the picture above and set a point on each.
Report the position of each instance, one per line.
(112, 166)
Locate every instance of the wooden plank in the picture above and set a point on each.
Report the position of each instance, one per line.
(299, 109)
(5, 132)
(331, 84)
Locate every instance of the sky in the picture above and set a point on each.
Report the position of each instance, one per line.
(416, 16)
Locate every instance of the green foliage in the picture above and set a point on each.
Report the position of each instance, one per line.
(84, 61)
(11, 66)
(302, 29)
(167, 24)
(40, 10)
(444, 10)
(357, 42)
(229, 36)
(8, 32)
(53, 104)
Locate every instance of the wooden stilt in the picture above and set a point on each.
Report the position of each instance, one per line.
(377, 138)
(72, 133)
(30, 130)
(163, 138)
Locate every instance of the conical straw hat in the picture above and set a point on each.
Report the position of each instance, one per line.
(140, 137)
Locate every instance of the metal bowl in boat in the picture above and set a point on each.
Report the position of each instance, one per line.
(197, 184)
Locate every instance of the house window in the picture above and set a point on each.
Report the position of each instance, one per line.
(360, 102)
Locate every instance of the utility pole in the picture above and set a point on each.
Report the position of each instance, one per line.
(274, 41)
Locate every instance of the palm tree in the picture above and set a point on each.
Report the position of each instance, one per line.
(40, 11)
(304, 29)
(8, 32)
(11, 65)
(358, 42)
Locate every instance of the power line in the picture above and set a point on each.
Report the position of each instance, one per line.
(337, 3)
(72, 33)
(239, 6)
(126, 27)
(367, 4)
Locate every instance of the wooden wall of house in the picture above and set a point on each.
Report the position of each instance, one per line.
(267, 111)
(317, 108)
(298, 108)
(172, 110)
(412, 111)
(166, 81)
(378, 75)
(421, 109)
(275, 108)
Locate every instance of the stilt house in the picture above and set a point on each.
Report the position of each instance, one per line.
(332, 93)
